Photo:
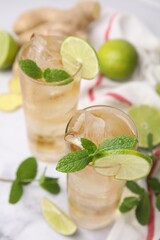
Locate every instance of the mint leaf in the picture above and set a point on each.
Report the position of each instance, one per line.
(27, 170)
(135, 188)
(158, 202)
(88, 145)
(73, 161)
(15, 192)
(154, 184)
(128, 204)
(120, 142)
(30, 68)
(56, 75)
(50, 184)
(143, 210)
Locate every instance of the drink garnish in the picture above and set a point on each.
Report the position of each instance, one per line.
(112, 158)
(73, 50)
(31, 69)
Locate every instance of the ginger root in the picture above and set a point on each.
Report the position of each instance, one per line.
(49, 21)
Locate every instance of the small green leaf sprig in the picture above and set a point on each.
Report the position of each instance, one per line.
(140, 203)
(25, 174)
(76, 161)
(58, 76)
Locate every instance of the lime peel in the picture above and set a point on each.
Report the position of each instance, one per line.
(57, 219)
(74, 50)
(118, 59)
(8, 49)
(123, 164)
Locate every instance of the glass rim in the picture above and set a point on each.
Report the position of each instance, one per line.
(135, 131)
(77, 64)
(106, 106)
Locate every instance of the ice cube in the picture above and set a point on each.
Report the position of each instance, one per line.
(94, 128)
(88, 126)
(45, 52)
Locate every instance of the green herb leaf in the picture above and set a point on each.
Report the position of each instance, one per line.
(56, 75)
(154, 183)
(128, 204)
(143, 210)
(73, 161)
(158, 202)
(16, 192)
(27, 170)
(88, 145)
(120, 142)
(30, 68)
(50, 184)
(135, 188)
(150, 142)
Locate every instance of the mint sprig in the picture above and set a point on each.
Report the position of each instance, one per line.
(56, 75)
(139, 203)
(135, 188)
(78, 160)
(27, 170)
(50, 185)
(128, 204)
(143, 209)
(31, 69)
(16, 192)
(154, 183)
(120, 142)
(25, 174)
(88, 145)
(74, 161)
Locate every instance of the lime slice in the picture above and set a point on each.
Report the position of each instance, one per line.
(123, 164)
(8, 50)
(74, 50)
(57, 219)
(147, 120)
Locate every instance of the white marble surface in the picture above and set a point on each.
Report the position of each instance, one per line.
(24, 221)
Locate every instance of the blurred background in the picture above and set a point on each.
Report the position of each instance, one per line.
(146, 10)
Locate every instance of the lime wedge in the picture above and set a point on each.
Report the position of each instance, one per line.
(8, 50)
(74, 50)
(123, 164)
(147, 120)
(57, 219)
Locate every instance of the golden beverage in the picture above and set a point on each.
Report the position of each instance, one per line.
(47, 106)
(93, 198)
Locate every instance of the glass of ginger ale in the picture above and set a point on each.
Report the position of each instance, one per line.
(93, 198)
(48, 106)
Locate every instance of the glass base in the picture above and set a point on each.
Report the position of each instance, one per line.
(94, 222)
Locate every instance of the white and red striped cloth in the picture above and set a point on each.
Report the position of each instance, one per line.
(140, 89)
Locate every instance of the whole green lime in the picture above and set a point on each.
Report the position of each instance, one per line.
(117, 59)
(8, 50)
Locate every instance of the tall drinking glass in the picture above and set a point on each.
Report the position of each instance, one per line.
(47, 106)
(93, 198)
